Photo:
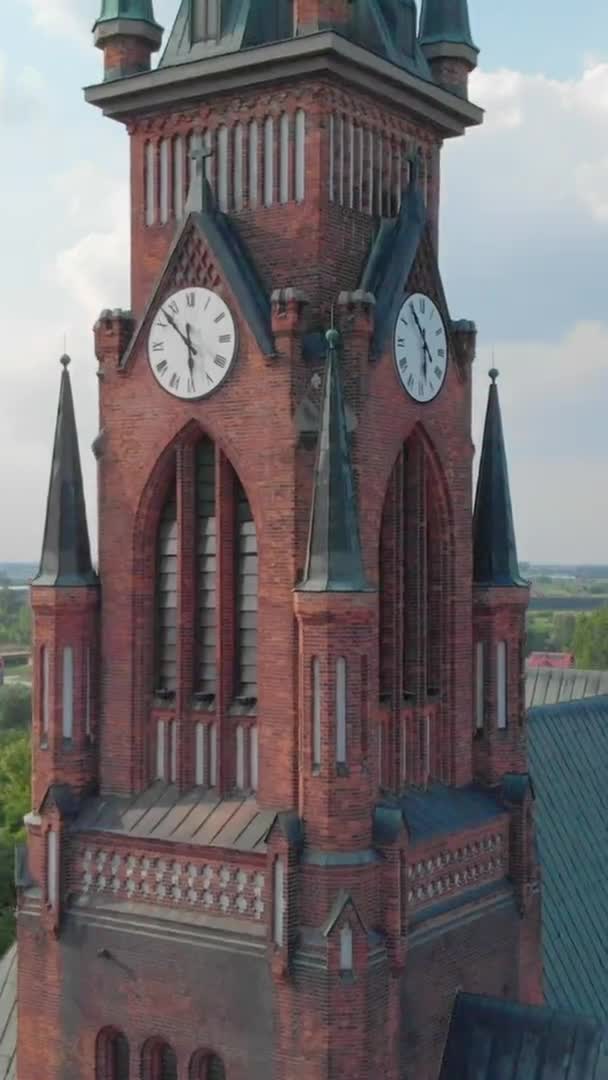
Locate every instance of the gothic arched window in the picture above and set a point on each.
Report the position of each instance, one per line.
(206, 616)
(112, 1055)
(414, 571)
(206, 1066)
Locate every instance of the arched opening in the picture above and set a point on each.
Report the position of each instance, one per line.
(206, 611)
(112, 1055)
(206, 1066)
(159, 1061)
(414, 574)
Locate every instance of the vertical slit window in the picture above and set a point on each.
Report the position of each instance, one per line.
(316, 713)
(247, 598)
(284, 159)
(253, 164)
(237, 166)
(213, 755)
(370, 171)
(360, 152)
(205, 20)
(364, 707)
(45, 690)
(427, 748)
(160, 750)
(380, 755)
(167, 1063)
(279, 902)
(341, 160)
(150, 168)
(379, 173)
(173, 762)
(167, 597)
(341, 711)
(178, 178)
(200, 755)
(501, 685)
(332, 158)
(207, 568)
(52, 868)
(300, 155)
(351, 164)
(346, 949)
(404, 749)
(87, 690)
(240, 757)
(479, 686)
(269, 161)
(164, 181)
(254, 760)
(112, 1056)
(222, 168)
(68, 693)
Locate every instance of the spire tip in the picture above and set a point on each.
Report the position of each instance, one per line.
(65, 361)
(493, 373)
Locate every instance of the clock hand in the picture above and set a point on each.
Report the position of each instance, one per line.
(425, 348)
(174, 326)
(190, 353)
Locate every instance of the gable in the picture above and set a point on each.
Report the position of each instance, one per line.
(207, 252)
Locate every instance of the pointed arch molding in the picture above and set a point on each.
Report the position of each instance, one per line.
(176, 465)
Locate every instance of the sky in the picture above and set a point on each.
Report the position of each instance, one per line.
(523, 252)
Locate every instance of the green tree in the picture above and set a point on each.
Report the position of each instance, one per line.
(591, 640)
(564, 628)
(15, 779)
(15, 708)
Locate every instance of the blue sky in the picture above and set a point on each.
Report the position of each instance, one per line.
(524, 251)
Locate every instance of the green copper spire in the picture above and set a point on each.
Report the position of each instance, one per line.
(66, 554)
(446, 23)
(494, 548)
(334, 562)
(138, 10)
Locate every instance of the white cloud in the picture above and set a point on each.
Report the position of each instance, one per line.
(67, 18)
(22, 93)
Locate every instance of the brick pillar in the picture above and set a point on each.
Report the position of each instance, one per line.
(313, 15)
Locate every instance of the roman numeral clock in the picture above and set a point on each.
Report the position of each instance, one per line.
(192, 343)
(420, 348)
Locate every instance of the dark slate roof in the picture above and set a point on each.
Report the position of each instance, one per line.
(441, 810)
(235, 265)
(494, 548)
(195, 817)
(551, 686)
(491, 1039)
(8, 1015)
(334, 562)
(66, 553)
(391, 261)
(446, 21)
(385, 27)
(568, 756)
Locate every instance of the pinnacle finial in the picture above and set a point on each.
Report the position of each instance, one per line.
(493, 373)
(332, 337)
(65, 361)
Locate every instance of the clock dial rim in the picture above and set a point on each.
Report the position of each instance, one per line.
(413, 397)
(231, 360)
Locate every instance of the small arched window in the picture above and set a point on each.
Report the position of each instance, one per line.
(206, 1066)
(112, 1055)
(159, 1061)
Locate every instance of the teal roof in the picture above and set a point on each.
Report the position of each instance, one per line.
(552, 686)
(8, 1015)
(334, 562)
(446, 21)
(568, 757)
(490, 1038)
(139, 10)
(385, 27)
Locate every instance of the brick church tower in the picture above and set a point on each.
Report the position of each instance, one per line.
(281, 813)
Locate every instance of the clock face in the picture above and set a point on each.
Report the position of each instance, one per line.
(192, 343)
(421, 351)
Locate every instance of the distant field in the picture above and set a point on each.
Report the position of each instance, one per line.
(18, 573)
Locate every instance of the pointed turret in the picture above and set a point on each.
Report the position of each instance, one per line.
(334, 561)
(494, 548)
(447, 42)
(128, 34)
(66, 553)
